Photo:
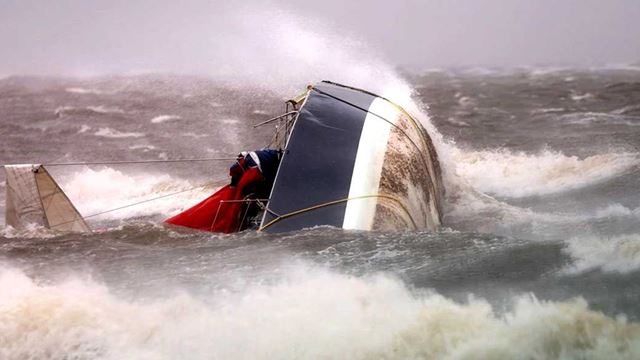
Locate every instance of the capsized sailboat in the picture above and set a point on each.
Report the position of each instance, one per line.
(349, 159)
(340, 156)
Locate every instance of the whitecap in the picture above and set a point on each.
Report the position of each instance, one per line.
(457, 122)
(88, 110)
(608, 253)
(83, 91)
(105, 109)
(589, 118)
(94, 191)
(194, 135)
(115, 134)
(517, 174)
(163, 118)
(310, 313)
(547, 110)
(84, 128)
(143, 147)
(581, 97)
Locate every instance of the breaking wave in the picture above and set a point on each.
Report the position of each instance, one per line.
(95, 191)
(297, 317)
(115, 134)
(610, 254)
(590, 118)
(143, 147)
(508, 174)
(84, 91)
(163, 118)
(84, 128)
(87, 111)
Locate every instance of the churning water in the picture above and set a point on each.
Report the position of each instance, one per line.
(539, 256)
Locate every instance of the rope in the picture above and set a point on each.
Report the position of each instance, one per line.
(382, 118)
(139, 202)
(372, 113)
(334, 202)
(137, 161)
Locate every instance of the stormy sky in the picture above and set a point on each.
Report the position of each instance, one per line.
(197, 36)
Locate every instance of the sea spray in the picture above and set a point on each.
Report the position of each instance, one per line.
(104, 189)
(619, 253)
(511, 174)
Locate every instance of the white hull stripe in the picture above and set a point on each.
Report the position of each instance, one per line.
(367, 170)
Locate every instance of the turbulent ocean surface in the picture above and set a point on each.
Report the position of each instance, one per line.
(538, 258)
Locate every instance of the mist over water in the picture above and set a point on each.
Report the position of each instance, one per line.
(539, 256)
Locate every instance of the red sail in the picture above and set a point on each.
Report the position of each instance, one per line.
(219, 212)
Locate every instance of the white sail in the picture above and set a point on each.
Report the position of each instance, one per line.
(33, 197)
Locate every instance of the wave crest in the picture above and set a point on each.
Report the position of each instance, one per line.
(610, 254)
(509, 174)
(378, 317)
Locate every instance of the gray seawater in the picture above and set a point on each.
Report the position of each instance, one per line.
(539, 256)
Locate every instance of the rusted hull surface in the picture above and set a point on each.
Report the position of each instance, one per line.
(411, 176)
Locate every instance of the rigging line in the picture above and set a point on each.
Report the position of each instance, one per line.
(137, 161)
(139, 202)
(400, 108)
(369, 112)
(426, 163)
(339, 201)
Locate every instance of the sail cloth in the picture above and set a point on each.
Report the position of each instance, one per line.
(33, 197)
(221, 212)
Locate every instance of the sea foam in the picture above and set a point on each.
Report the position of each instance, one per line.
(95, 191)
(164, 118)
(309, 314)
(516, 174)
(619, 253)
(115, 134)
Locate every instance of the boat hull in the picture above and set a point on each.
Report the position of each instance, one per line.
(355, 160)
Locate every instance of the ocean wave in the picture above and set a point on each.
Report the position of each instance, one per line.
(547, 111)
(310, 314)
(611, 254)
(457, 122)
(633, 110)
(88, 110)
(616, 210)
(29, 232)
(589, 118)
(142, 147)
(101, 109)
(84, 128)
(193, 135)
(581, 97)
(84, 91)
(516, 174)
(94, 191)
(163, 118)
(115, 134)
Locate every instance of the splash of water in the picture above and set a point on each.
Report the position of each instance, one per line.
(376, 317)
(508, 174)
(611, 254)
(95, 191)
